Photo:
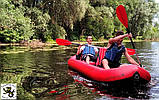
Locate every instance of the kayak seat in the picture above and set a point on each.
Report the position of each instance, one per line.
(100, 56)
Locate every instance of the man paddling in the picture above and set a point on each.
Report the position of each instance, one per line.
(115, 49)
(88, 51)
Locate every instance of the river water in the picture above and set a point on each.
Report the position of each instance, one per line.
(45, 75)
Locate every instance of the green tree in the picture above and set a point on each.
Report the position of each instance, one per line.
(140, 13)
(13, 25)
(67, 12)
(51, 19)
(40, 21)
(99, 21)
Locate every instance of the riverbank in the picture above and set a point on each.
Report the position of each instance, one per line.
(41, 44)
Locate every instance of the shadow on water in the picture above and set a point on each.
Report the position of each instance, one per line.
(43, 86)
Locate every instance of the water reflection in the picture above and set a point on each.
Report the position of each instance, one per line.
(112, 90)
(36, 72)
(45, 75)
(43, 86)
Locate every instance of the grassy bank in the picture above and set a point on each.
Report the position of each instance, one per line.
(53, 43)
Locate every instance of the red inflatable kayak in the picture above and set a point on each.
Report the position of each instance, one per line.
(93, 72)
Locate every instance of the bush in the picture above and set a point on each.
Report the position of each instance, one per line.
(14, 26)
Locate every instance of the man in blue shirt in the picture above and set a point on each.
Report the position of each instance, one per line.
(88, 50)
(115, 49)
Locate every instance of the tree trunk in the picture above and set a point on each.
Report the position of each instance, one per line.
(68, 31)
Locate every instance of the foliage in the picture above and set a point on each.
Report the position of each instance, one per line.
(140, 15)
(66, 12)
(40, 21)
(55, 31)
(151, 33)
(13, 25)
(46, 20)
(101, 21)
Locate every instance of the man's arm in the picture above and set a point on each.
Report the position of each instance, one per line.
(129, 58)
(96, 50)
(80, 49)
(115, 39)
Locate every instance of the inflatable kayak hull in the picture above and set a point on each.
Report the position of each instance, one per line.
(127, 72)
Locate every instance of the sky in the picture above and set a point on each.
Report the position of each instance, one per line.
(157, 1)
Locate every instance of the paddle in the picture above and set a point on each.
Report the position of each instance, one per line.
(122, 16)
(66, 42)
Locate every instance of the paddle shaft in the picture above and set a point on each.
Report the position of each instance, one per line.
(66, 42)
(128, 31)
(122, 16)
(133, 45)
(128, 49)
(76, 44)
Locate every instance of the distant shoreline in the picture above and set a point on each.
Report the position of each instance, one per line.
(80, 42)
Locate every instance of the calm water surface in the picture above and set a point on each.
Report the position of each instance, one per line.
(45, 75)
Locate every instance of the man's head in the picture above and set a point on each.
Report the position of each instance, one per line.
(89, 39)
(117, 34)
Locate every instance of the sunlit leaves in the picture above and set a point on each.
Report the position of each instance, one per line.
(14, 26)
(66, 12)
(50, 19)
